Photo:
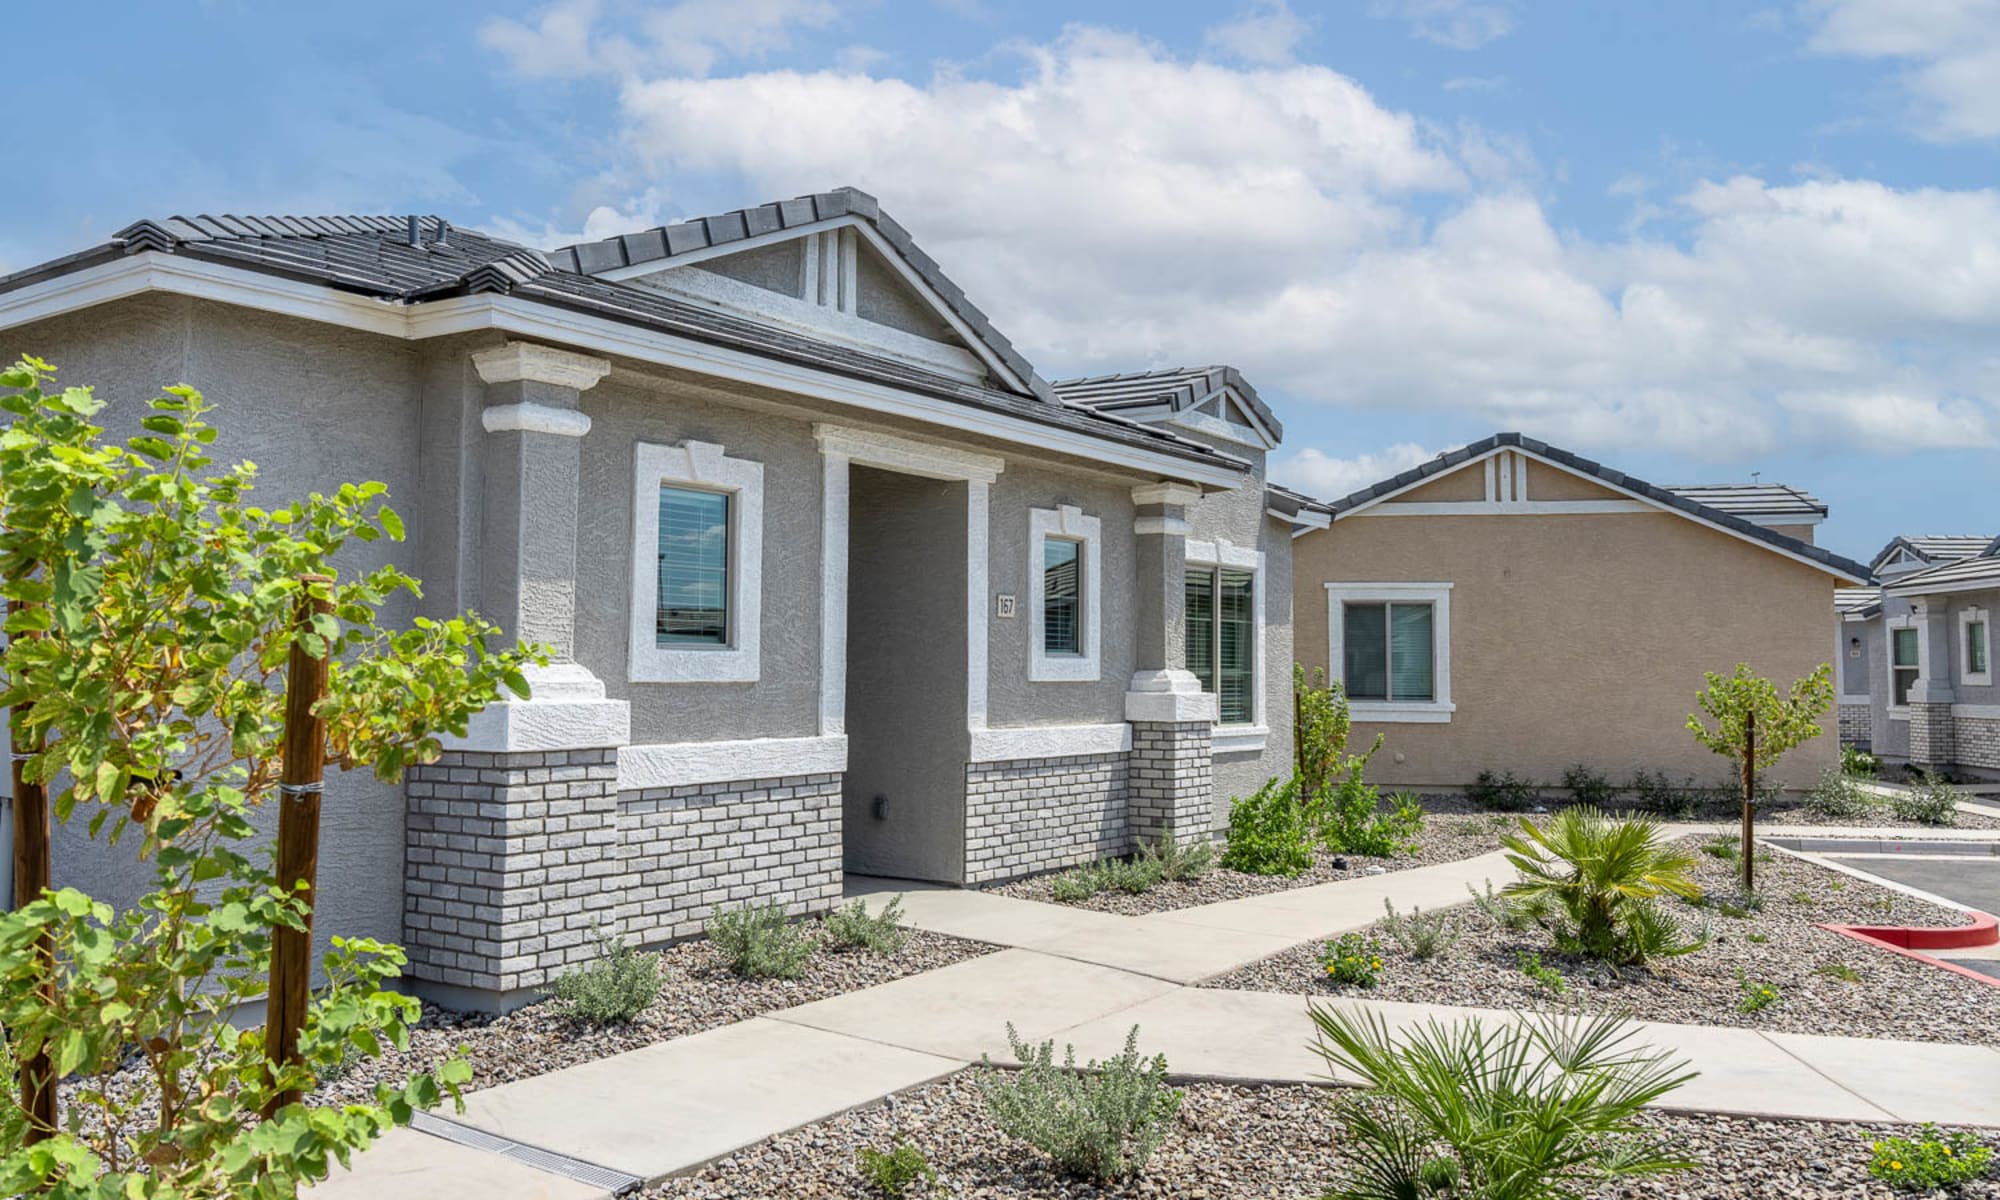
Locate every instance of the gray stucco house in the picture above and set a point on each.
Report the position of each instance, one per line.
(1916, 652)
(834, 580)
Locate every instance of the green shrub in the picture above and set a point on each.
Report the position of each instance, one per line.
(1840, 971)
(1593, 882)
(1350, 820)
(1589, 787)
(1928, 801)
(1134, 876)
(1078, 884)
(894, 1172)
(1532, 1110)
(1756, 996)
(760, 942)
(1801, 897)
(1503, 792)
(1930, 1160)
(1859, 763)
(1654, 793)
(1102, 1122)
(1550, 979)
(1353, 960)
(1178, 860)
(1320, 728)
(1757, 938)
(1840, 796)
(1419, 936)
(1727, 847)
(610, 991)
(853, 927)
(1501, 910)
(1269, 832)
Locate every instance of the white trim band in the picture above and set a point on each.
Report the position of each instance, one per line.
(1049, 741)
(528, 362)
(534, 418)
(531, 725)
(680, 764)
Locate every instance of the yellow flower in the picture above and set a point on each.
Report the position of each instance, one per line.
(1894, 1165)
(1946, 1149)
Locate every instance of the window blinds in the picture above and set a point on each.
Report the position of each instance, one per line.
(693, 597)
(1062, 595)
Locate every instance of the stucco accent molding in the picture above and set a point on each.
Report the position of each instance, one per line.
(1239, 739)
(1166, 493)
(911, 456)
(1050, 741)
(1170, 526)
(565, 710)
(1069, 522)
(680, 764)
(703, 465)
(1172, 696)
(529, 362)
(534, 418)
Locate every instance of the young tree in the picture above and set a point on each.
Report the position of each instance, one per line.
(152, 617)
(1320, 728)
(1755, 726)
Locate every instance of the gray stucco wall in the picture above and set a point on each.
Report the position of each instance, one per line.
(1012, 699)
(906, 676)
(313, 407)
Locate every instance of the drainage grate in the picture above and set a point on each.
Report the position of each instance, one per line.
(615, 1182)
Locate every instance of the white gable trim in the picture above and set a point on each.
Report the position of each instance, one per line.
(1253, 432)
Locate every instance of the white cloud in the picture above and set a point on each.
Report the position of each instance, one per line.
(1950, 48)
(1457, 24)
(690, 37)
(1267, 33)
(1476, 83)
(1900, 421)
(1319, 474)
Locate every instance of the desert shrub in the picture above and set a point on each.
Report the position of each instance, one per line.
(1135, 875)
(1351, 821)
(612, 990)
(1859, 763)
(1839, 796)
(1589, 787)
(894, 1172)
(1102, 1122)
(1504, 911)
(1593, 882)
(1078, 884)
(1180, 859)
(1840, 971)
(1653, 792)
(1269, 832)
(854, 927)
(1417, 935)
(1728, 847)
(1753, 995)
(1503, 792)
(1352, 960)
(760, 942)
(1928, 801)
(1544, 976)
(1532, 1110)
(1320, 728)
(1929, 1161)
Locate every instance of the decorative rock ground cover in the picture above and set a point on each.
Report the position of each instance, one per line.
(1826, 983)
(1258, 1143)
(697, 992)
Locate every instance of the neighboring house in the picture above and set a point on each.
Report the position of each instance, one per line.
(1513, 607)
(832, 579)
(1918, 689)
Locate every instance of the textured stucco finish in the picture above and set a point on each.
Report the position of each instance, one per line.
(1576, 638)
(1892, 735)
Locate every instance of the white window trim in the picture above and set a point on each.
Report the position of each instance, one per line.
(699, 465)
(1436, 711)
(1966, 618)
(1238, 737)
(1901, 712)
(1068, 523)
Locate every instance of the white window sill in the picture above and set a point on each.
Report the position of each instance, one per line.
(1983, 679)
(1239, 739)
(1899, 714)
(1410, 713)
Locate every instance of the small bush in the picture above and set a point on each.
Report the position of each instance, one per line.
(894, 1172)
(1589, 787)
(1756, 997)
(1594, 883)
(1728, 847)
(1550, 979)
(1840, 971)
(1350, 820)
(1269, 833)
(1929, 801)
(1801, 897)
(1502, 910)
(1078, 884)
(1858, 763)
(1840, 796)
(1740, 906)
(1353, 961)
(1102, 1123)
(1929, 1161)
(1503, 792)
(1178, 860)
(1757, 938)
(760, 942)
(610, 991)
(1419, 936)
(852, 927)
(1134, 876)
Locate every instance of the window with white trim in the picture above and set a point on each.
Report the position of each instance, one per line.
(1389, 647)
(1223, 593)
(1066, 565)
(1975, 639)
(1905, 660)
(697, 571)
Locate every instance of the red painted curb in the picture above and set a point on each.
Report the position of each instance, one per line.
(1911, 942)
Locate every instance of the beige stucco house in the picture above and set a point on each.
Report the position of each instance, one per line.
(1513, 607)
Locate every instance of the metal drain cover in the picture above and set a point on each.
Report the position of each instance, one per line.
(615, 1182)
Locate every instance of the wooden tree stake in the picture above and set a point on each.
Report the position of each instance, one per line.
(298, 840)
(1749, 800)
(33, 873)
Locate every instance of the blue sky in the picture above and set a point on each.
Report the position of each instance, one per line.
(1696, 240)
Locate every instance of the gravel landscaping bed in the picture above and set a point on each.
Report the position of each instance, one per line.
(1891, 996)
(1275, 1143)
(1788, 812)
(697, 992)
(1444, 839)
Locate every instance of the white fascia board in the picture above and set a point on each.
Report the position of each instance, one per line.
(1050, 741)
(152, 271)
(1301, 521)
(1908, 591)
(680, 764)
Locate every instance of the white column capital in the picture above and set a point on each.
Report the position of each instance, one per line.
(1182, 494)
(530, 362)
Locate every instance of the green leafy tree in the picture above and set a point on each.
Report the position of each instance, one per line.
(167, 604)
(1754, 726)
(1320, 729)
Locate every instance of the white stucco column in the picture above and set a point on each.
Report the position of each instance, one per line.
(1161, 688)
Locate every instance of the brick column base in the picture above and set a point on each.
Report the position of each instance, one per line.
(1170, 789)
(1931, 741)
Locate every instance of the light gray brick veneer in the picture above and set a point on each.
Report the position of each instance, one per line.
(1039, 814)
(1172, 784)
(1931, 736)
(1977, 742)
(1857, 725)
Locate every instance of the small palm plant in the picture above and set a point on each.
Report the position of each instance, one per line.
(1542, 1109)
(1594, 881)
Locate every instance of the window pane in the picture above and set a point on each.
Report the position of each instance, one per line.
(1200, 622)
(1062, 593)
(1975, 647)
(1904, 678)
(1364, 651)
(1236, 640)
(1905, 647)
(693, 604)
(1410, 649)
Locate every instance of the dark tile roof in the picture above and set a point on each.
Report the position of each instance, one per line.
(664, 242)
(1631, 483)
(1179, 389)
(1936, 547)
(1753, 499)
(1971, 571)
(377, 257)
(1857, 601)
